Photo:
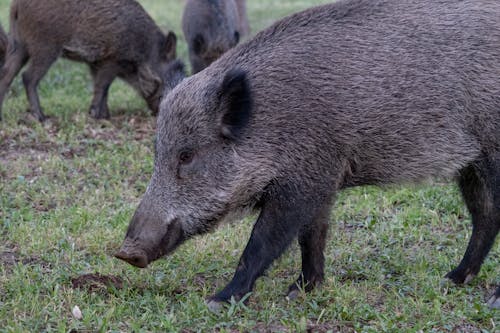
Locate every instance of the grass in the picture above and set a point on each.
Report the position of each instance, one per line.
(69, 187)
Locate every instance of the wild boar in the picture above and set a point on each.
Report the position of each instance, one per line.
(244, 26)
(359, 92)
(3, 44)
(116, 38)
(211, 27)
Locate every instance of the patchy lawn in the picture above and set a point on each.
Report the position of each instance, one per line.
(69, 187)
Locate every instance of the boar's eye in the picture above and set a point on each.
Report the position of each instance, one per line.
(185, 157)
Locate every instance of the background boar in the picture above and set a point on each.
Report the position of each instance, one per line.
(355, 93)
(211, 27)
(3, 44)
(116, 38)
(244, 26)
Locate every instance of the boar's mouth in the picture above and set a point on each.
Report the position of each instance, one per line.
(140, 255)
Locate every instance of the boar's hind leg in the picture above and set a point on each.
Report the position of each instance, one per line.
(14, 61)
(278, 224)
(103, 76)
(31, 77)
(480, 185)
(312, 239)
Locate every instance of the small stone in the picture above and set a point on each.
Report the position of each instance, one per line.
(77, 313)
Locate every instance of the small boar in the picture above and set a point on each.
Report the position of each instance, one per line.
(359, 92)
(211, 27)
(3, 44)
(116, 38)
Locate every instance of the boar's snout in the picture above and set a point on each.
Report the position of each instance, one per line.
(151, 235)
(134, 256)
(137, 260)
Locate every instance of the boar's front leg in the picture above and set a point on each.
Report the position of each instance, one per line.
(103, 75)
(312, 240)
(284, 213)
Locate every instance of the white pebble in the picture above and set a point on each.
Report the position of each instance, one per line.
(77, 313)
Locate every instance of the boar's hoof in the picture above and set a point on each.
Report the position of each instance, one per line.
(461, 276)
(37, 115)
(137, 259)
(295, 289)
(98, 113)
(446, 283)
(215, 306)
(494, 302)
(293, 294)
(469, 278)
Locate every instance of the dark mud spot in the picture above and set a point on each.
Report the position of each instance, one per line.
(96, 282)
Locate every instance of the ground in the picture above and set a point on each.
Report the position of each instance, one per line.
(69, 187)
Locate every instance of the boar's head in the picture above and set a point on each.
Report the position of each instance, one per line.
(202, 53)
(202, 170)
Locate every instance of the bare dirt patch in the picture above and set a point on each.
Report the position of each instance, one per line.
(118, 128)
(143, 127)
(96, 282)
(276, 327)
(9, 257)
(22, 143)
(22, 150)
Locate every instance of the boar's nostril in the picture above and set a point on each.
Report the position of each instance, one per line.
(137, 260)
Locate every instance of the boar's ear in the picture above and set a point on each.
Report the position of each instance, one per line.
(236, 102)
(168, 47)
(199, 44)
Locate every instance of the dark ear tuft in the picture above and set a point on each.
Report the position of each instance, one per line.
(236, 103)
(198, 44)
(173, 75)
(169, 46)
(171, 39)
